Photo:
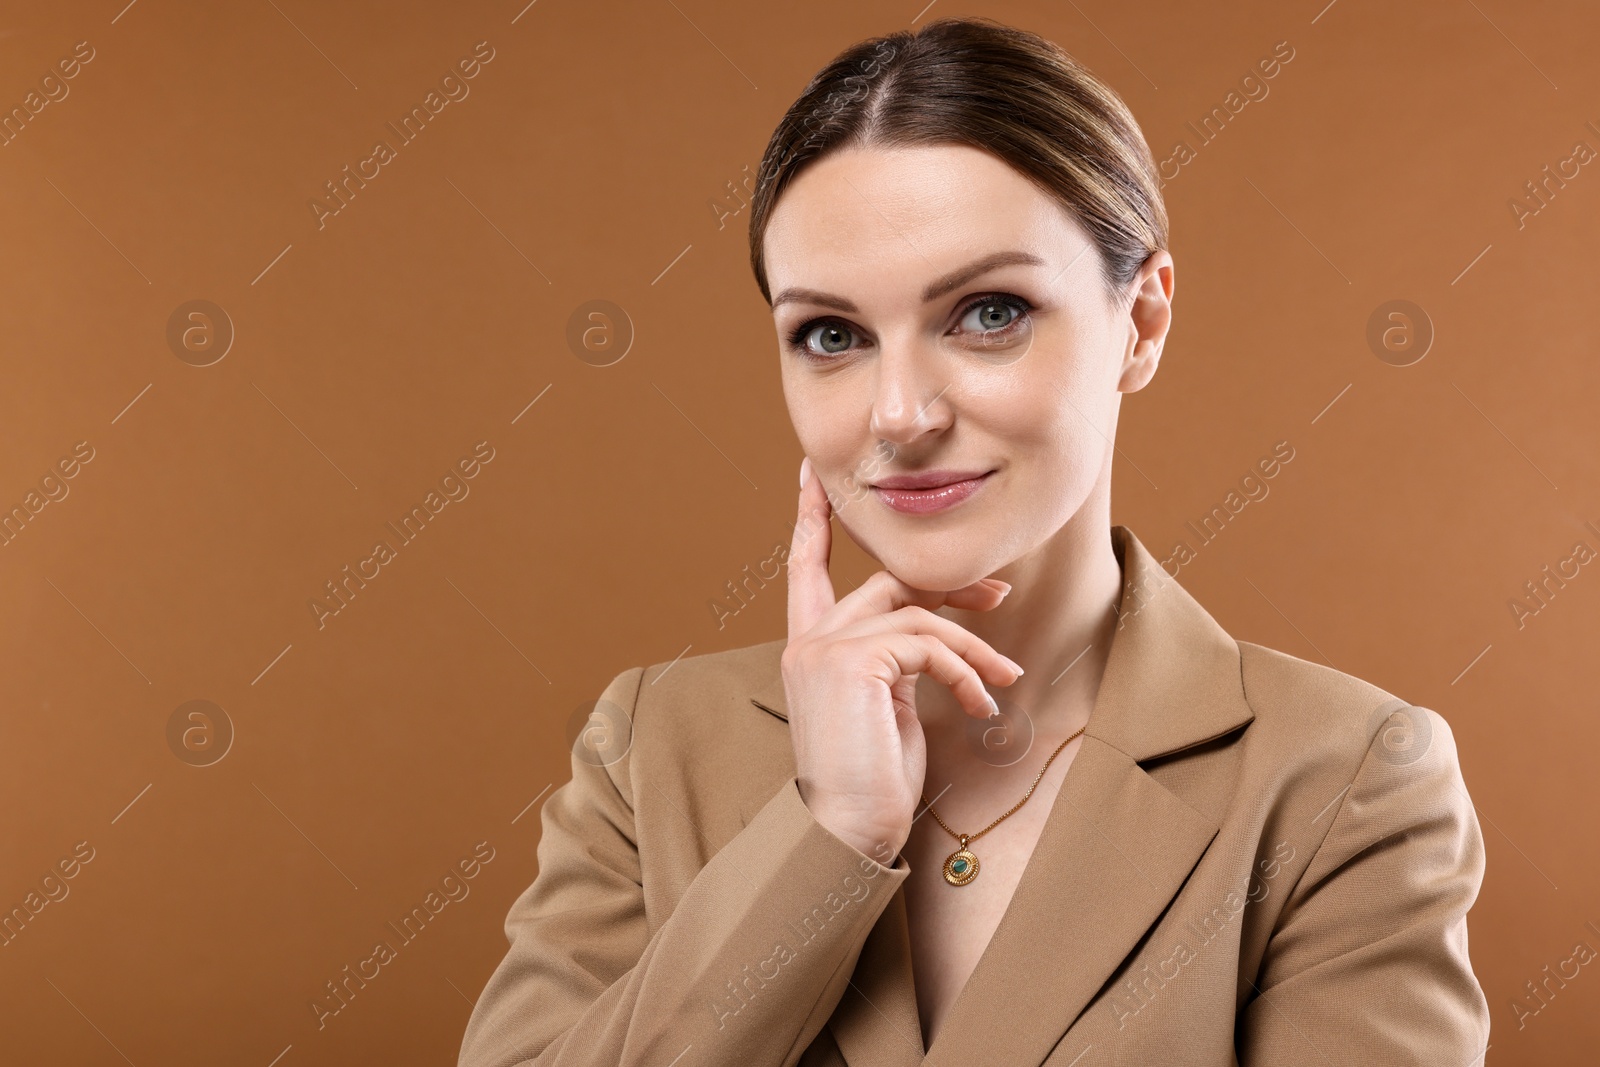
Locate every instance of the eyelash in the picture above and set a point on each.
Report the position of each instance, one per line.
(797, 336)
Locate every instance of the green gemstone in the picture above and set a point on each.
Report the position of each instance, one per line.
(959, 866)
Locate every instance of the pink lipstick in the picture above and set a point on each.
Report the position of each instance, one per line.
(929, 491)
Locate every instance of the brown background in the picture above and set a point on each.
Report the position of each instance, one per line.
(588, 162)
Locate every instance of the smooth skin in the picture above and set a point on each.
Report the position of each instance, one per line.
(882, 683)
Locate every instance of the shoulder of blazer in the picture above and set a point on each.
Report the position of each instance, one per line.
(714, 683)
(1312, 714)
(696, 710)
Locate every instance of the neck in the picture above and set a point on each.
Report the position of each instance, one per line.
(1057, 621)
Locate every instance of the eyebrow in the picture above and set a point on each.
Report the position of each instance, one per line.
(953, 280)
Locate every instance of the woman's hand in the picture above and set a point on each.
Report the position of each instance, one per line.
(849, 675)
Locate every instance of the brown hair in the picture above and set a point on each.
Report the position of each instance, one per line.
(978, 82)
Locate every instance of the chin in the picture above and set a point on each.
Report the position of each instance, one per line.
(939, 579)
(936, 564)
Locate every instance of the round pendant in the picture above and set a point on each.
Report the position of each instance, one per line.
(960, 867)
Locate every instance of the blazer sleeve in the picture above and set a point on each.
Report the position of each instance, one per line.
(745, 970)
(1368, 963)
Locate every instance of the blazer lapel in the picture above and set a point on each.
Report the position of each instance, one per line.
(877, 1022)
(1115, 849)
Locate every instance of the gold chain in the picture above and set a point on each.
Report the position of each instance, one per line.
(965, 838)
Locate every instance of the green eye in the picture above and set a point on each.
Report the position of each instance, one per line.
(833, 339)
(990, 313)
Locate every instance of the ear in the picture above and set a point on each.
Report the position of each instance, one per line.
(1148, 317)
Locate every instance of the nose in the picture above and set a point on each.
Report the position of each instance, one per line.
(910, 397)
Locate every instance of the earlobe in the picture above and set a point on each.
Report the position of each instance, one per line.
(1141, 367)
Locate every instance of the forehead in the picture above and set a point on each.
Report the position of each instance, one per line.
(901, 216)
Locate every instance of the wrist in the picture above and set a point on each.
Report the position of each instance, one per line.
(871, 838)
(881, 848)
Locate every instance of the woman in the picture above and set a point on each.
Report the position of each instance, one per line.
(1166, 846)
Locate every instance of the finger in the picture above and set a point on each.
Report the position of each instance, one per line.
(883, 593)
(810, 583)
(912, 619)
(924, 653)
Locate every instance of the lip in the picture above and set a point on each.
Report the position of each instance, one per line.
(928, 479)
(930, 491)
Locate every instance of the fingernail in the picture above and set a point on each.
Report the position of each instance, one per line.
(994, 707)
(805, 468)
(1015, 665)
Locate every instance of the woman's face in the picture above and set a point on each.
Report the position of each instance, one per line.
(927, 343)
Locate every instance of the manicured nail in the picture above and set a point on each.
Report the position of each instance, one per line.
(805, 468)
(1014, 665)
(994, 707)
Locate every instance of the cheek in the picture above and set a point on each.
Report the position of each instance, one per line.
(1025, 411)
(1074, 455)
(1057, 435)
(827, 428)
(1069, 403)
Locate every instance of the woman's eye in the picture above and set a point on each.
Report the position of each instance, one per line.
(822, 339)
(992, 314)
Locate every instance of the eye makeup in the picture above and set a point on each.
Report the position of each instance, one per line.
(796, 339)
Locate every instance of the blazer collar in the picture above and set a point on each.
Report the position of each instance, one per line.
(1116, 846)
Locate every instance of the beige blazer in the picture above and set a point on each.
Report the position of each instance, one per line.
(1253, 859)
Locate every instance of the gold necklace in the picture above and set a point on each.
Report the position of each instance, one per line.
(961, 866)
